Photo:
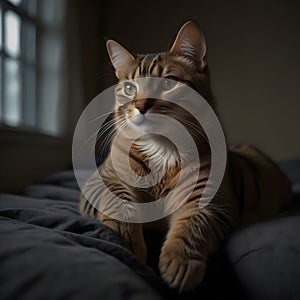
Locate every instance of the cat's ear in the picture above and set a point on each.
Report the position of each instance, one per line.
(119, 56)
(190, 42)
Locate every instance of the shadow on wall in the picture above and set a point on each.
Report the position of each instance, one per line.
(252, 53)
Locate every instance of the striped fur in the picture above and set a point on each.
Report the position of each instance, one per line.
(245, 195)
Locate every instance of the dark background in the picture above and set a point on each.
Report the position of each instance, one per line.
(253, 54)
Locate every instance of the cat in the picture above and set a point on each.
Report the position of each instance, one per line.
(253, 187)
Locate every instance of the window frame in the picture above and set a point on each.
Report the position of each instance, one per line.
(6, 129)
(24, 65)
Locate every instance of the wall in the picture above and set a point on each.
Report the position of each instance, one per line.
(253, 54)
(27, 157)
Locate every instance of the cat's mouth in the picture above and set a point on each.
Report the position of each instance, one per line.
(139, 119)
(143, 123)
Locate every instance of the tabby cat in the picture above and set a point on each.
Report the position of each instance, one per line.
(252, 188)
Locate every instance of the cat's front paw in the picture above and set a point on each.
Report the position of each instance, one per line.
(178, 270)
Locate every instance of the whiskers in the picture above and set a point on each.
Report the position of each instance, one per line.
(103, 115)
(195, 128)
(100, 148)
(106, 134)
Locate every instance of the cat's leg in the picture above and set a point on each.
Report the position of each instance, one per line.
(110, 203)
(130, 233)
(121, 209)
(194, 233)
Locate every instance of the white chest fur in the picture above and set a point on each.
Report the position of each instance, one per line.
(160, 151)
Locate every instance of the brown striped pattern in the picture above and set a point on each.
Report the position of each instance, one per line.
(191, 233)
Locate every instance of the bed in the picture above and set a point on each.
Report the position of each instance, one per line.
(49, 251)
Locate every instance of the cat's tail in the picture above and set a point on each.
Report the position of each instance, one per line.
(266, 189)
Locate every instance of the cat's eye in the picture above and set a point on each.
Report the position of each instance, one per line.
(169, 83)
(129, 89)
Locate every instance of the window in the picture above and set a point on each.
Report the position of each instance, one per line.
(31, 65)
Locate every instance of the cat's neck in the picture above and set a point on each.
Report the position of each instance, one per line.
(159, 150)
(160, 153)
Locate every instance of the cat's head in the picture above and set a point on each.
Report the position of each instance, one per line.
(185, 62)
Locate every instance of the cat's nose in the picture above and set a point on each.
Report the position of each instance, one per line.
(143, 105)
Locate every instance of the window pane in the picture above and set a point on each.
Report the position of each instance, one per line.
(1, 29)
(49, 106)
(29, 6)
(15, 2)
(12, 24)
(12, 92)
(29, 41)
(1, 100)
(29, 97)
